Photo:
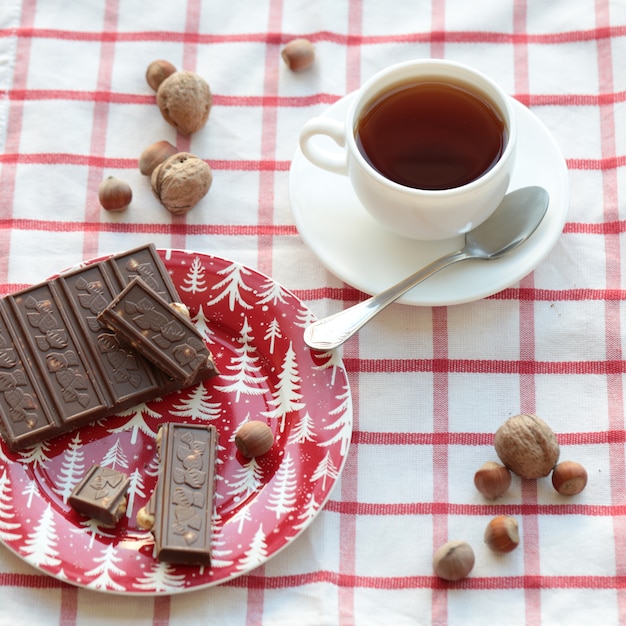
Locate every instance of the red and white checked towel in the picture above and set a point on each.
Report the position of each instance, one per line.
(430, 385)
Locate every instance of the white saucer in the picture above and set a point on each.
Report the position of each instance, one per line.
(350, 244)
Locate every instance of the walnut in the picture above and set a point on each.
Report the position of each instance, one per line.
(181, 181)
(185, 99)
(527, 446)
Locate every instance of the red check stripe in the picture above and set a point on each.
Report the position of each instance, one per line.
(348, 529)
(436, 35)
(273, 583)
(277, 101)
(614, 276)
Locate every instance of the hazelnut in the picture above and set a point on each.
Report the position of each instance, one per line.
(527, 446)
(185, 99)
(157, 72)
(181, 181)
(181, 308)
(121, 508)
(154, 155)
(144, 519)
(453, 560)
(492, 480)
(114, 194)
(254, 438)
(502, 534)
(569, 478)
(298, 54)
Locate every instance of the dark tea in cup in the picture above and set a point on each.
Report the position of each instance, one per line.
(428, 147)
(431, 134)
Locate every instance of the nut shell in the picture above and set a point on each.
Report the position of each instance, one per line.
(502, 534)
(453, 560)
(154, 155)
(254, 438)
(185, 100)
(569, 478)
(492, 479)
(181, 308)
(527, 446)
(181, 181)
(144, 519)
(114, 194)
(298, 54)
(157, 72)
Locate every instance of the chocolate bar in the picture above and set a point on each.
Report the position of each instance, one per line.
(101, 494)
(179, 511)
(160, 333)
(60, 368)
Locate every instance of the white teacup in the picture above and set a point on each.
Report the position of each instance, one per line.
(412, 209)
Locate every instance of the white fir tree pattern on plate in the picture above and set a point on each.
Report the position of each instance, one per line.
(273, 333)
(37, 455)
(94, 529)
(161, 578)
(195, 404)
(245, 482)
(106, 567)
(115, 457)
(271, 293)
(254, 328)
(72, 469)
(42, 545)
(136, 491)
(138, 421)
(233, 287)
(220, 551)
(246, 377)
(6, 511)
(256, 553)
(30, 491)
(308, 514)
(305, 317)
(282, 497)
(287, 394)
(343, 425)
(202, 326)
(326, 470)
(194, 281)
(303, 431)
(332, 360)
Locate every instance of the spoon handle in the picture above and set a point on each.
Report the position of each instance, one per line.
(330, 332)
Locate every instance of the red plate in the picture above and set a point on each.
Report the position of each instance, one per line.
(254, 328)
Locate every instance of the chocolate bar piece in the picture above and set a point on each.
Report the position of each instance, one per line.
(181, 507)
(60, 368)
(160, 333)
(101, 494)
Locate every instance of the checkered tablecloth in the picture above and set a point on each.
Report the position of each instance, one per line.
(429, 385)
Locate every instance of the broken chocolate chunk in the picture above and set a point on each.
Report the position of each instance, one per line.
(101, 494)
(158, 331)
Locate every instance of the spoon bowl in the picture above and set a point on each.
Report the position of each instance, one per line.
(512, 223)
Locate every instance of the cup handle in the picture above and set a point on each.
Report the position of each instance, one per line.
(332, 161)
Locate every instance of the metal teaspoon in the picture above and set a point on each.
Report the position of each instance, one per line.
(512, 223)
